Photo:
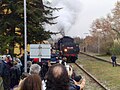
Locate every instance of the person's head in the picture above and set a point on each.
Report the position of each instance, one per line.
(29, 63)
(8, 58)
(35, 69)
(32, 82)
(57, 78)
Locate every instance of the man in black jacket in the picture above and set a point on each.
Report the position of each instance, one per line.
(114, 63)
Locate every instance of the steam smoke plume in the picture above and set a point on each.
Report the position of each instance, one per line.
(67, 15)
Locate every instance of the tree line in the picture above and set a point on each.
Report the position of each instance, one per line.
(107, 30)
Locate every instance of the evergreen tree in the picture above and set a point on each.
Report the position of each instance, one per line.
(12, 23)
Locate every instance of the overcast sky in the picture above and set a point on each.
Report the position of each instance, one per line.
(76, 16)
(90, 10)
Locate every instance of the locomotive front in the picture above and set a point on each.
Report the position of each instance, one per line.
(68, 48)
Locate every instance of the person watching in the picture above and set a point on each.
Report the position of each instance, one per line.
(35, 69)
(32, 82)
(57, 78)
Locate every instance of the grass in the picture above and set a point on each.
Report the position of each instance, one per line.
(108, 75)
(90, 84)
(109, 58)
(106, 57)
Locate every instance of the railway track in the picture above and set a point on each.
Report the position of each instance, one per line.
(101, 70)
(98, 58)
(92, 77)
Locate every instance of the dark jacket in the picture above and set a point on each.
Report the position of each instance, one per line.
(1, 67)
(113, 57)
(15, 75)
(6, 76)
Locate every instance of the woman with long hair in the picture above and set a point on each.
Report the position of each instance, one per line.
(32, 82)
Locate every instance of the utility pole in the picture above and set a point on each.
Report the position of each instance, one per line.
(25, 38)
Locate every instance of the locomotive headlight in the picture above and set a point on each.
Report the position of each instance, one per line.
(65, 50)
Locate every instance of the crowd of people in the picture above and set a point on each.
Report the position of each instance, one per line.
(39, 75)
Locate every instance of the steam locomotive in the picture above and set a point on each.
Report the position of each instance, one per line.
(68, 48)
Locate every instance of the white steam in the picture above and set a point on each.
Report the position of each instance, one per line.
(67, 15)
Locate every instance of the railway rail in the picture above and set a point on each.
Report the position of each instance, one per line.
(98, 58)
(92, 77)
(101, 69)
